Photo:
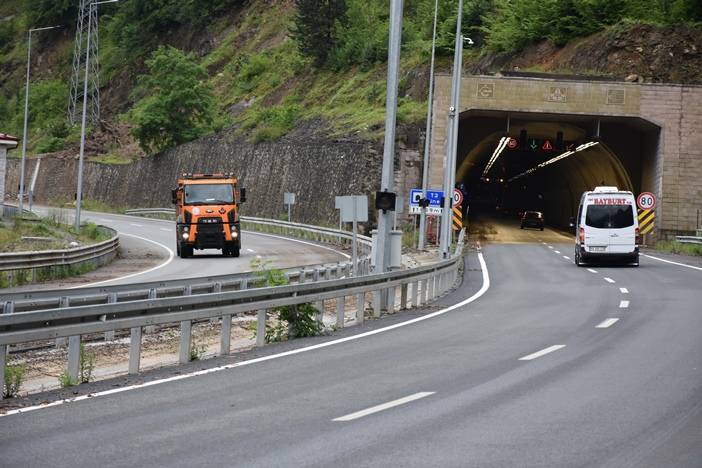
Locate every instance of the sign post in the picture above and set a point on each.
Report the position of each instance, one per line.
(354, 209)
(289, 199)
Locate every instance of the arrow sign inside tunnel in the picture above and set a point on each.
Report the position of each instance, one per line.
(533, 145)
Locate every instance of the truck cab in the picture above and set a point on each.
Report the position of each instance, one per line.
(207, 213)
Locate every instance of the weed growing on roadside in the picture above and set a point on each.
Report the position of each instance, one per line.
(14, 376)
(87, 364)
(66, 381)
(197, 351)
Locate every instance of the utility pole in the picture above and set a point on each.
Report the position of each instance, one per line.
(427, 137)
(79, 191)
(85, 55)
(451, 146)
(26, 114)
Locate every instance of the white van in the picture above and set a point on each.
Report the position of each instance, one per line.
(607, 227)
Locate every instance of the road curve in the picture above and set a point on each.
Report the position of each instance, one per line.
(534, 373)
(159, 236)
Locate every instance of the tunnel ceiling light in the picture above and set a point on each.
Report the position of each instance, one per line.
(584, 146)
(496, 154)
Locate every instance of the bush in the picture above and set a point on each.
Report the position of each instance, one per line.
(14, 375)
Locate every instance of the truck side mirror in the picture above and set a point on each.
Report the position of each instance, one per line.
(174, 195)
(242, 195)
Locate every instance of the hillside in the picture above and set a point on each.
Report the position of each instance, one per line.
(263, 85)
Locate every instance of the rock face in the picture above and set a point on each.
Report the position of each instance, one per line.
(316, 168)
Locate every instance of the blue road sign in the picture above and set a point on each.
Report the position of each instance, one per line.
(434, 197)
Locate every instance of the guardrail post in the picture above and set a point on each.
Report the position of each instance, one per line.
(315, 275)
(7, 308)
(327, 273)
(225, 340)
(134, 350)
(425, 291)
(403, 296)
(303, 273)
(339, 270)
(376, 302)
(360, 308)
(74, 357)
(111, 299)
(415, 294)
(340, 306)
(244, 284)
(216, 288)
(186, 327)
(151, 328)
(63, 302)
(261, 327)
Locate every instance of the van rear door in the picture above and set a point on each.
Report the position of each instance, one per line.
(612, 223)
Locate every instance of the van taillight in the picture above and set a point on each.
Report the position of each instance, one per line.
(636, 232)
(582, 235)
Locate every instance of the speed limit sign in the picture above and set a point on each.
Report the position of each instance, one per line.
(457, 197)
(646, 201)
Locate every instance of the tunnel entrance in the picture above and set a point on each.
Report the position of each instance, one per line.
(509, 162)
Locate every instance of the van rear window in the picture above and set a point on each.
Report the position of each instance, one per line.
(609, 216)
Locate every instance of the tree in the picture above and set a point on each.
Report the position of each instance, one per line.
(315, 26)
(179, 104)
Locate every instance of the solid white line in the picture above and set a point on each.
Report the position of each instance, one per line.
(299, 241)
(566, 257)
(543, 352)
(624, 290)
(383, 407)
(607, 323)
(556, 251)
(136, 225)
(671, 262)
(609, 280)
(483, 289)
(171, 255)
(591, 270)
(624, 304)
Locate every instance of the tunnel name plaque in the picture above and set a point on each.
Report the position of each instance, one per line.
(616, 97)
(557, 94)
(486, 90)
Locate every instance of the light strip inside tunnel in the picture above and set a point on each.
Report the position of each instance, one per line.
(553, 160)
(496, 154)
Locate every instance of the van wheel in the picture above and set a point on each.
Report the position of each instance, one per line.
(578, 261)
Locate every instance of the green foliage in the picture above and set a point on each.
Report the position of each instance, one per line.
(679, 248)
(14, 376)
(66, 381)
(87, 364)
(197, 351)
(179, 106)
(274, 122)
(316, 25)
(42, 13)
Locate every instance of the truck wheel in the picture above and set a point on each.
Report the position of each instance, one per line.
(226, 251)
(185, 251)
(236, 251)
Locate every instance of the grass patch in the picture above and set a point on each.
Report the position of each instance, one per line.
(679, 248)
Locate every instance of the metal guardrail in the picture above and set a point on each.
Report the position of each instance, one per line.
(425, 283)
(55, 258)
(689, 239)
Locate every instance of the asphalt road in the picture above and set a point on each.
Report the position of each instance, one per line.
(159, 236)
(521, 376)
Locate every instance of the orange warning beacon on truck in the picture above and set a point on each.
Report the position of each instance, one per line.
(207, 213)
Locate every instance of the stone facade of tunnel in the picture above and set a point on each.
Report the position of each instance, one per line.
(674, 174)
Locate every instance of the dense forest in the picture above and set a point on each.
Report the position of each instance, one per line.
(174, 70)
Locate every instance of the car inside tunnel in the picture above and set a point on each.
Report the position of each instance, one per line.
(512, 162)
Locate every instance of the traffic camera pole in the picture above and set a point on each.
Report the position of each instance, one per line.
(450, 161)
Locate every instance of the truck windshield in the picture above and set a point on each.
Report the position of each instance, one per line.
(609, 216)
(208, 194)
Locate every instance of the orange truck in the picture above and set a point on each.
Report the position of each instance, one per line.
(207, 213)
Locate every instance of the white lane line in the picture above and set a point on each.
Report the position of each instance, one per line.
(298, 241)
(623, 304)
(550, 246)
(557, 251)
(483, 289)
(566, 257)
(591, 270)
(103, 220)
(673, 263)
(383, 407)
(609, 280)
(136, 225)
(251, 250)
(543, 352)
(171, 255)
(165, 229)
(607, 323)
(624, 290)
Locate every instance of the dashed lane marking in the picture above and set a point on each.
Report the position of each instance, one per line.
(591, 270)
(136, 225)
(566, 257)
(557, 251)
(543, 352)
(607, 323)
(609, 280)
(383, 407)
(624, 290)
(550, 246)
(624, 304)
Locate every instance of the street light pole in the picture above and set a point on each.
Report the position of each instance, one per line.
(79, 190)
(385, 217)
(450, 161)
(26, 113)
(427, 136)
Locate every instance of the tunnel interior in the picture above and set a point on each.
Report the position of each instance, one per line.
(511, 162)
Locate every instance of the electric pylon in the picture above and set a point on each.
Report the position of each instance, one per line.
(87, 26)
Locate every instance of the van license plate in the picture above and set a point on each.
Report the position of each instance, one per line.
(597, 249)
